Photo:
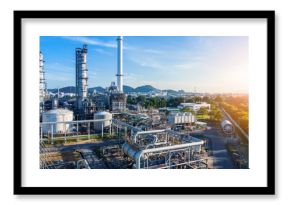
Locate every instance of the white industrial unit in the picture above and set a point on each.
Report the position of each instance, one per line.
(106, 116)
(195, 106)
(227, 127)
(181, 118)
(56, 115)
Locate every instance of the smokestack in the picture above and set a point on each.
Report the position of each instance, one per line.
(120, 64)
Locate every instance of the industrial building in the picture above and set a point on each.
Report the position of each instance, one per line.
(194, 106)
(181, 118)
(118, 99)
(169, 109)
(118, 102)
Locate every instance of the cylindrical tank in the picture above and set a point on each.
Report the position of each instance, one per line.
(56, 115)
(106, 116)
(54, 103)
(129, 150)
(227, 127)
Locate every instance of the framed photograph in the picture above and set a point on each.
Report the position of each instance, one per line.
(144, 102)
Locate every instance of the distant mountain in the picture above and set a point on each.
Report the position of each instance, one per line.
(98, 89)
(170, 91)
(68, 89)
(128, 89)
(146, 89)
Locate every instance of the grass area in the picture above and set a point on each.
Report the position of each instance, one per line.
(245, 150)
(202, 117)
(59, 141)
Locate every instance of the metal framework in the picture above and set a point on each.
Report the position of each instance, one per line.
(45, 158)
(153, 149)
(76, 135)
(164, 149)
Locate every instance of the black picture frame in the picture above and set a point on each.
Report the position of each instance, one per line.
(268, 190)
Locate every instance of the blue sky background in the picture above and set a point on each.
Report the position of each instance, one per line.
(209, 64)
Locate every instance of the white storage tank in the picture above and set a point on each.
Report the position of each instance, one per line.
(57, 115)
(227, 127)
(102, 116)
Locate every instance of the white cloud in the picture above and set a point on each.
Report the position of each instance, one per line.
(102, 51)
(188, 66)
(91, 41)
(153, 51)
(147, 62)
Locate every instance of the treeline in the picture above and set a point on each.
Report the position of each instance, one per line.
(213, 114)
(152, 102)
(238, 109)
(159, 102)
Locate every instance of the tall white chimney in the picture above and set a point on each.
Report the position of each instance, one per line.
(120, 64)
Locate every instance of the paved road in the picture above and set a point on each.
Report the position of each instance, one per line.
(92, 159)
(221, 158)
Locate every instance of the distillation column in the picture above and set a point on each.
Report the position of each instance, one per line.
(81, 76)
(42, 85)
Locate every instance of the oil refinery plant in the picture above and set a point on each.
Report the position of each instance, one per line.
(100, 131)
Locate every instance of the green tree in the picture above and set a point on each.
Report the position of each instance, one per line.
(206, 99)
(218, 99)
(197, 99)
(187, 109)
(131, 100)
(141, 100)
(203, 111)
(162, 102)
(174, 102)
(190, 100)
(218, 116)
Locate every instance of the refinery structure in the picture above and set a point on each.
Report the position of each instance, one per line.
(103, 131)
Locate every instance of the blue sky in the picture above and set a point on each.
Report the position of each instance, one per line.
(207, 63)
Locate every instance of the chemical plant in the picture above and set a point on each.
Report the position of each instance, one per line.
(104, 131)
